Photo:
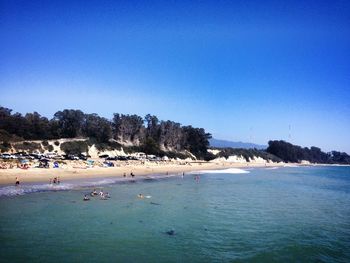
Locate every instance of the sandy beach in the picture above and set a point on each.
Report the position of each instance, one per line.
(8, 176)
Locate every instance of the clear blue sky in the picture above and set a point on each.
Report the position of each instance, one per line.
(243, 70)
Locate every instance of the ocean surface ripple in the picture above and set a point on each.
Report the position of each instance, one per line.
(267, 215)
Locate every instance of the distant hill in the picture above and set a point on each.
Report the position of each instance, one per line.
(245, 145)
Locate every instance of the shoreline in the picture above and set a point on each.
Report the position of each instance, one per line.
(43, 175)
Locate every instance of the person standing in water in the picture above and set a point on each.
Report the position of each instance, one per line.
(17, 181)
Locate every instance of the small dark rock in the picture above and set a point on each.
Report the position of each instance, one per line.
(170, 232)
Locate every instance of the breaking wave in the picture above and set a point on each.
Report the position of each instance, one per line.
(34, 188)
(224, 171)
(41, 187)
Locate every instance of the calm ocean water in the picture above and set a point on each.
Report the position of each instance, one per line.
(266, 215)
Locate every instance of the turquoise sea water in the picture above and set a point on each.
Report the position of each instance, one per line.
(266, 215)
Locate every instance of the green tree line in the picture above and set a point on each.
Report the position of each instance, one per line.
(294, 153)
(148, 133)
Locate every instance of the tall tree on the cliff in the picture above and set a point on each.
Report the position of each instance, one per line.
(294, 153)
(38, 127)
(6, 122)
(152, 127)
(12, 123)
(69, 122)
(170, 135)
(196, 140)
(97, 127)
(128, 128)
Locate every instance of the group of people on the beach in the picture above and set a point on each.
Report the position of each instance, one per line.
(24, 166)
(55, 180)
(94, 193)
(131, 174)
(6, 165)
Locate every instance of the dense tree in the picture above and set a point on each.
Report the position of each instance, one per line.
(339, 157)
(152, 127)
(149, 146)
(196, 140)
(37, 127)
(248, 154)
(171, 135)
(75, 147)
(31, 126)
(97, 127)
(12, 123)
(128, 128)
(294, 153)
(69, 123)
(149, 134)
(286, 151)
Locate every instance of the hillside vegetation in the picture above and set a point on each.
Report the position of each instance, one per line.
(294, 153)
(148, 134)
(132, 133)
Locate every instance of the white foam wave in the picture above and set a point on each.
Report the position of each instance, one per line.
(224, 171)
(97, 183)
(33, 188)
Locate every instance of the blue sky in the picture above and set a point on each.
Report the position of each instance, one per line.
(243, 70)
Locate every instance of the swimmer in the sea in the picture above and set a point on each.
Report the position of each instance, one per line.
(94, 192)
